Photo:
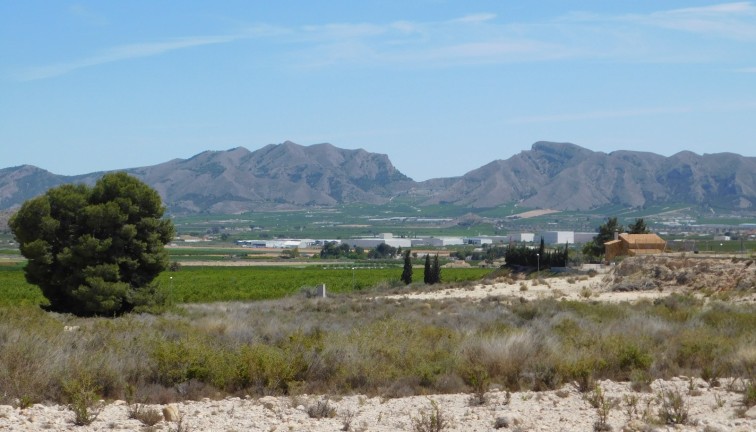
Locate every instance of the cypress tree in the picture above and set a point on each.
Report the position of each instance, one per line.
(407, 271)
(427, 274)
(436, 271)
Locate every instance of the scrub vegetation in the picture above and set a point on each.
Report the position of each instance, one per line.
(363, 343)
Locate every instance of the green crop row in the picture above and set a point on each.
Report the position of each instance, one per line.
(210, 284)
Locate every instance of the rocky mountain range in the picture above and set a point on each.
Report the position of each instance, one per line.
(559, 176)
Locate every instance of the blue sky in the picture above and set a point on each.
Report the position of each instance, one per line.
(442, 87)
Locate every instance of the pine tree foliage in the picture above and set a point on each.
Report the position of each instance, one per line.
(595, 248)
(95, 250)
(638, 227)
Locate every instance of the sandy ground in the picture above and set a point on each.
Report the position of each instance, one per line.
(567, 288)
(709, 409)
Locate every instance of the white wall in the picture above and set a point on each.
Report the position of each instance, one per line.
(558, 237)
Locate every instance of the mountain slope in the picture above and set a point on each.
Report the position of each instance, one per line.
(285, 174)
(568, 177)
(550, 175)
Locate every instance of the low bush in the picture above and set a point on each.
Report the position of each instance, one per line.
(321, 409)
(673, 407)
(431, 420)
(83, 396)
(749, 393)
(147, 416)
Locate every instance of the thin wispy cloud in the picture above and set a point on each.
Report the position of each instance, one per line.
(730, 20)
(120, 53)
(478, 38)
(487, 38)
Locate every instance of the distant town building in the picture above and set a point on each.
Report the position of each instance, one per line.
(634, 244)
(437, 241)
(280, 243)
(373, 242)
(478, 241)
(558, 237)
(522, 237)
(275, 244)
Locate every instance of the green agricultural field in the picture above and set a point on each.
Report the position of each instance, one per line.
(211, 284)
(14, 290)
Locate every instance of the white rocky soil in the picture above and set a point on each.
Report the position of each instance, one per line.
(709, 409)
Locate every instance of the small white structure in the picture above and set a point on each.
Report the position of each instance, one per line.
(558, 237)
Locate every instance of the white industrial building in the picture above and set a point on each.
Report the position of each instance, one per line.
(558, 237)
(373, 242)
(478, 241)
(437, 241)
(522, 237)
(276, 244)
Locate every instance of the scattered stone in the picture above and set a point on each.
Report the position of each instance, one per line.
(506, 422)
(170, 413)
(634, 425)
(751, 413)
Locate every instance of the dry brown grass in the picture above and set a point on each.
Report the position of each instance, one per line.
(369, 345)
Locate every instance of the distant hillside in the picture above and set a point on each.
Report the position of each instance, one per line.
(551, 175)
(276, 176)
(568, 177)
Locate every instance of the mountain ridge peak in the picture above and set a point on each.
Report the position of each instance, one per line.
(558, 175)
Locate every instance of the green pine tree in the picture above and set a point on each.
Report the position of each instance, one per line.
(95, 250)
(639, 227)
